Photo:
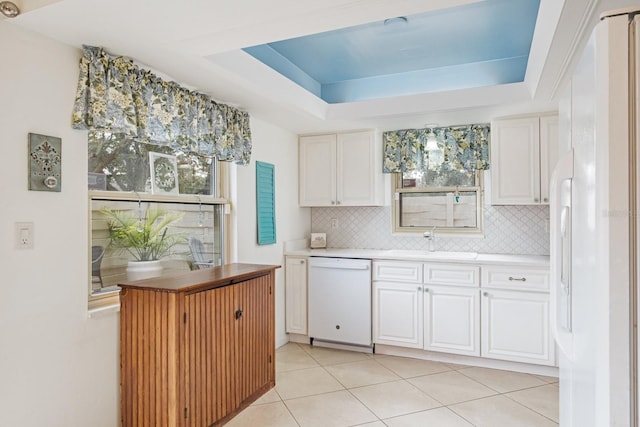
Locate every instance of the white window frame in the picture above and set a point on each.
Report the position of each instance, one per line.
(98, 301)
(397, 190)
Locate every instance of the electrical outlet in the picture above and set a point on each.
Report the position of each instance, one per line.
(24, 235)
(334, 222)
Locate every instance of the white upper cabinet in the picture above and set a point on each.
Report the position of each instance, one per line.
(317, 170)
(342, 169)
(549, 135)
(523, 155)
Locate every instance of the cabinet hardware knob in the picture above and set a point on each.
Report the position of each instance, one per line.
(535, 200)
(301, 261)
(522, 279)
(545, 200)
(338, 202)
(426, 289)
(337, 326)
(485, 294)
(333, 202)
(238, 313)
(419, 288)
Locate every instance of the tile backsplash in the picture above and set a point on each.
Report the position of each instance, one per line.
(507, 230)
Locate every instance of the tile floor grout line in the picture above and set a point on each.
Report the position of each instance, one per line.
(498, 391)
(363, 404)
(499, 394)
(531, 409)
(291, 413)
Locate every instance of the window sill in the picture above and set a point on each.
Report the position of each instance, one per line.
(99, 312)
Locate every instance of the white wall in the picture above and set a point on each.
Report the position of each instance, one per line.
(57, 367)
(274, 145)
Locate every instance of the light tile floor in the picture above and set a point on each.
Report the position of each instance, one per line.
(323, 387)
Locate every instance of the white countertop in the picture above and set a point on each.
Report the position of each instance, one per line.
(425, 256)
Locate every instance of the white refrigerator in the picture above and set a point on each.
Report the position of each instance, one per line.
(593, 231)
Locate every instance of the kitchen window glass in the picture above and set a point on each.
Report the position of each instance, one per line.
(450, 200)
(118, 163)
(119, 179)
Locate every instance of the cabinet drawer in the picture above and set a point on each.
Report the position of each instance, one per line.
(515, 278)
(408, 272)
(450, 274)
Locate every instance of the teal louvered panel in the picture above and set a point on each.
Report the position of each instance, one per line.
(266, 203)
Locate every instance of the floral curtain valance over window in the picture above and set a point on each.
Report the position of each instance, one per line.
(117, 96)
(445, 148)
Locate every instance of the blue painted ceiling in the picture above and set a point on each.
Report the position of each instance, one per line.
(480, 44)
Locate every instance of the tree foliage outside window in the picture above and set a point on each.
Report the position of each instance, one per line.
(125, 163)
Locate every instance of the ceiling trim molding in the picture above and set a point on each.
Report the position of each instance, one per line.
(584, 26)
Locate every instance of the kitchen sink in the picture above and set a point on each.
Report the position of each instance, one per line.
(451, 255)
(433, 254)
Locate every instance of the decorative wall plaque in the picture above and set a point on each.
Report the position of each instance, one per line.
(164, 173)
(45, 163)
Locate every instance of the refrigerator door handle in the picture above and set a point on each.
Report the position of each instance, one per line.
(560, 259)
(565, 250)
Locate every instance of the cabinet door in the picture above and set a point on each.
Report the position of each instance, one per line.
(515, 162)
(359, 170)
(397, 314)
(451, 319)
(255, 338)
(209, 343)
(296, 295)
(515, 326)
(549, 136)
(317, 170)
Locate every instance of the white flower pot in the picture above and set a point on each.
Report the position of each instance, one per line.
(137, 270)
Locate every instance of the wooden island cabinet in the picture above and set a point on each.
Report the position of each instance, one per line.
(198, 347)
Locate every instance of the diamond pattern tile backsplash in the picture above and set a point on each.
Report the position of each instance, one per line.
(507, 230)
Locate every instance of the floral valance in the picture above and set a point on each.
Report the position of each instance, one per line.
(115, 95)
(443, 148)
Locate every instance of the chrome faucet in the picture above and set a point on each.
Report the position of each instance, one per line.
(431, 237)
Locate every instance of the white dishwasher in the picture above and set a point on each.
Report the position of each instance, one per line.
(340, 300)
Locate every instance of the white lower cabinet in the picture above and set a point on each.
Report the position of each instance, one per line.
(451, 317)
(296, 295)
(438, 317)
(506, 318)
(397, 318)
(515, 326)
(515, 314)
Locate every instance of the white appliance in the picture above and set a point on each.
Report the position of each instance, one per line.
(592, 232)
(340, 300)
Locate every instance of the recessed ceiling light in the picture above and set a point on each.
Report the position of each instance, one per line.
(397, 20)
(9, 9)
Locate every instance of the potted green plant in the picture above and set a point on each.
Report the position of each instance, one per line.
(144, 236)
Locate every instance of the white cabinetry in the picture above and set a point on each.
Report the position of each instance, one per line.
(493, 311)
(523, 155)
(397, 303)
(515, 315)
(296, 295)
(452, 308)
(342, 169)
(436, 310)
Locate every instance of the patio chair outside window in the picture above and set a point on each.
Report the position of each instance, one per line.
(200, 259)
(97, 253)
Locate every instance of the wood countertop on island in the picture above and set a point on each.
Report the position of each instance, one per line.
(200, 280)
